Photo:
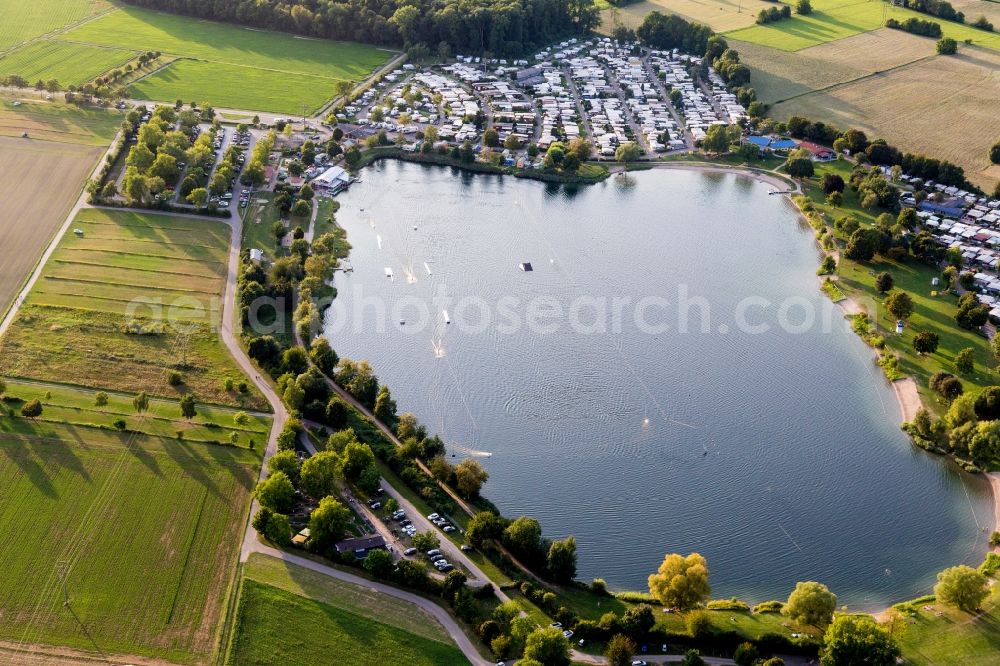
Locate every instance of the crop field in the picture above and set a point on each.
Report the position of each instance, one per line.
(69, 64)
(836, 19)
(944, 106)
(334, 622)
(24, 20)
(133, 297)
(33, 207)
(779, 75)
(236, 87)
(143, 530)
(230, 65)
(720, 15)
(60, 123)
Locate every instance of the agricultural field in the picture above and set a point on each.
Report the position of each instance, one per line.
(23, 21)
(720, 15)
(836, 19)
(69, 64)
(334, 622)
(235, 87)
(140, 532)
(779, 75)
(944, 106)
(42, 178)
(277, 71)
(128, 300)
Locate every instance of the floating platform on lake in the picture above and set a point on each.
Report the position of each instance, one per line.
(447, 319)
(388, 272)
(526, 267)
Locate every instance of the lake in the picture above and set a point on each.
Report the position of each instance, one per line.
(666, 378)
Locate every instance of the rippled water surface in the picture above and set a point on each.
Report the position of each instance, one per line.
(776, 455)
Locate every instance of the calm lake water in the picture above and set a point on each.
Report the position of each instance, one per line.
(775, 454)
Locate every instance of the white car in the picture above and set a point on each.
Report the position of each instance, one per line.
(433, 516)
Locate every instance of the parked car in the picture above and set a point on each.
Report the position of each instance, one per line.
(466, 548)
(433, 517)
(448, 528)
(433, 552)
(409, 552)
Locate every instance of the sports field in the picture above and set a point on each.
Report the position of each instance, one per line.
(128, 300)
(69, 64)
(144, 531)
(944, 106)
(288, 615)
(41, 179)
(28, 19)
(274, 71)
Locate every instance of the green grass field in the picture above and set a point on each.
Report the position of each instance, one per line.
(945, 635)
(289, 615)
(935, 314)
(27, 20)
(56, 122)
(231, 66)
(69, 64)
(76, 406)
(236, 87)
(144, 529)
(165, 274)
(837, 19)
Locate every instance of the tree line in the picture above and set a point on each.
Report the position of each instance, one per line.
(501, 27)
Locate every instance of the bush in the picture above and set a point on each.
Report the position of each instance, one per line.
(698, 624)
(174, 378)
(768, 607)
(731, 604)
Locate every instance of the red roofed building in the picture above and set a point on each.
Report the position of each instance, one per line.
(819, 153)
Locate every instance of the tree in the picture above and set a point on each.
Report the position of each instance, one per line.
(547, 646)
(491, 137)
(995, 154)
(355, 459)
(32, 409)
(328, 521)
(835, 199)
(803, 7)
(385, 406)
(318, 476)
(947, 46)
(323, 355)
(278, 529)
(863, 244)
(424, 541)
(746, 654)
(899, 305)
(799, 164)
(681, 582)
(962, 587)
(855, 640)
(628, 152)
(718, 138)
(284, 461)
(971, 313)
(884, 282)
(620, 650)
(811, 603)
(140, 402)
(276, 492)
(470, 477)
(378, 563)
(965, 361)
(561, 560)
(946, 385)
(188, 407)
(987, 404)
(524, 535)
(926, 342)
(301, 208)
(693, 658)
(198, 197)
(483, 527)
(100, 400)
